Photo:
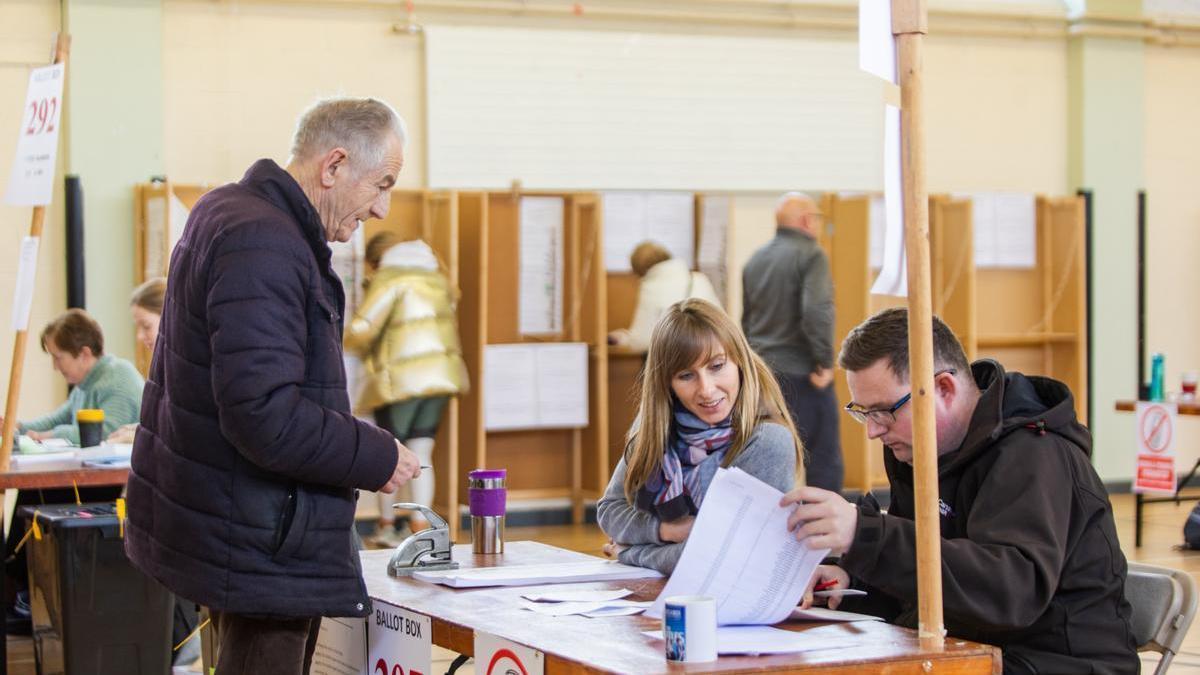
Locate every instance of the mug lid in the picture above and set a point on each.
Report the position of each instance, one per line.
(484, 474)
(89, 415)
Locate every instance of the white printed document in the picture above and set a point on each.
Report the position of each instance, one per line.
(741, 553)
(536, 575)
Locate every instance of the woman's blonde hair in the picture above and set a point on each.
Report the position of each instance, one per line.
(150, 295)
(689, 332)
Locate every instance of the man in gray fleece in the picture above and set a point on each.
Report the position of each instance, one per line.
(769, 456)
(787, 314)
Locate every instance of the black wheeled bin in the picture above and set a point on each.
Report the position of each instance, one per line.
(94, 613)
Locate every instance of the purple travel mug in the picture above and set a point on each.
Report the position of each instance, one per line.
(487, 496)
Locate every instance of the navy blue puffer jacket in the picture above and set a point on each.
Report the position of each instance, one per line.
(241, 496)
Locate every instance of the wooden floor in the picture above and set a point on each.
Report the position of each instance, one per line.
(1161, 535)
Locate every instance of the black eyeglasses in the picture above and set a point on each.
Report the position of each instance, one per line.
(883, 416)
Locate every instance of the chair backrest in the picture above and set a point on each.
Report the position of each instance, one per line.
(1164, 604)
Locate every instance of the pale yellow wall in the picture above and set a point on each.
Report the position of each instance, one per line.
(1172, 91)
(238, 74)
(27, 29)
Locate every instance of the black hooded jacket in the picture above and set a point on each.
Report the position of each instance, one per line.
(1030, 556)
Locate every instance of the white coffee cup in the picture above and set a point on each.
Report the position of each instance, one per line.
(690, 628)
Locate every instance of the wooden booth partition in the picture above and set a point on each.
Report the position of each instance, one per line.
(1036, 321)
(542, 463)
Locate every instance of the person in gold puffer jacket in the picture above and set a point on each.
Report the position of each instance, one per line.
(406, 332)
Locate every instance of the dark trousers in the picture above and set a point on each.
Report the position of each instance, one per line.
(255, 645)
(815, 412)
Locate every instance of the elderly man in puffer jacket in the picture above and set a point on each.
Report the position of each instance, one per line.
(245, 468)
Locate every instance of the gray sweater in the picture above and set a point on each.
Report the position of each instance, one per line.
(787, 304)
(112, 385)
(769, 456)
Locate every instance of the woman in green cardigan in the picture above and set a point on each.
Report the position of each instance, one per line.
(101, 381)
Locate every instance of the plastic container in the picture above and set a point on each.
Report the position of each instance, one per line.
(1157, 377)
(94, 613)
(487, 497)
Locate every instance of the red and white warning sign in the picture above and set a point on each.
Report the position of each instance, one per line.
(1155, 447)
(496, 656)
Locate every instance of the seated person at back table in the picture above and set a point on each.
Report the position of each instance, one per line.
(102, 381)
(663, 281)
(146, 305)
(1030, 557)
(707, 401)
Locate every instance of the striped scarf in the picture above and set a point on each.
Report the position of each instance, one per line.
(673, 492)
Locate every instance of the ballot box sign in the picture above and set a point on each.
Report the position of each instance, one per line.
(399, 642)
(341, 647)
(1156, 424)
(496, 656)
(32, 179)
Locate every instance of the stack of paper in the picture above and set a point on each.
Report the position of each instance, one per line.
(590, 603)
(741, 554)
(766, 640)
(535, 575)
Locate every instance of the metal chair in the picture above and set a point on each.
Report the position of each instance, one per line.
(1164, 603)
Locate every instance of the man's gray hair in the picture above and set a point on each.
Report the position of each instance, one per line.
(360, 125)
(789, 196)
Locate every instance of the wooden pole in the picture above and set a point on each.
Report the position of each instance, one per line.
(909, 26)
(62, 47)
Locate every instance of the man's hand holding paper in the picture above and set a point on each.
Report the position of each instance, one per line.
(822, 519)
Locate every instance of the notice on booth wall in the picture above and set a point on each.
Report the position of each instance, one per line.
(496, 656)
(398, 641)
(1156, 424)
(341, 647)
(26, 274)
(32, 180)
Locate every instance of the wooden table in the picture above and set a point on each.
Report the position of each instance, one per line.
(575, 644)
(1140, 500)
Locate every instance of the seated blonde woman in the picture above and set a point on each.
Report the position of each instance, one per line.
(146, 305)
(707, 401)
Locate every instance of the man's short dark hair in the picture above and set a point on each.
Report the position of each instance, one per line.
(72, 331)
(885, 336)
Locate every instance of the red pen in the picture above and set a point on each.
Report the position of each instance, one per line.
(826, 585)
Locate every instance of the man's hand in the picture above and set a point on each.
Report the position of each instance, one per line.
(408, 467)
(821, 377)
(829, 578)
(676, 531)
(823, 519)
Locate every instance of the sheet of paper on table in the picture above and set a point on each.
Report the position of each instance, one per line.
(741, 553)
(581, 595)
(603, 607)
(766, 640)
(536, 575)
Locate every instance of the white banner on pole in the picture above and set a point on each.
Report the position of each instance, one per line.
(32, 180)
(876, 43)
(893, 278)
(26, 273)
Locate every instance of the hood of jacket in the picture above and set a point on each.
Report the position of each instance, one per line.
(414, 254)
(1009, 402)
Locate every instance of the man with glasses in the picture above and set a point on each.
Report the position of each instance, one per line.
(787, 314)
(1030, 556)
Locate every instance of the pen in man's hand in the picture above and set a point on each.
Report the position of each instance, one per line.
(825, 585)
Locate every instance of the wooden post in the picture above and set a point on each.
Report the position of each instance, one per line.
(909, 26)
(62, 47)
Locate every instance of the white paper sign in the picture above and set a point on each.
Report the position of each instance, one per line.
(1156, 425)
(530, 386)
(541, 265)
(496, 656)
(26, 274)
(399, 642)
(32, 180)
(341, 647)
(876, 43)
(631, 218)
(1005, 225)
(893, 278)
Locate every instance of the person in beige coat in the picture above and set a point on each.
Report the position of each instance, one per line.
(664, 282)
(406, 333)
